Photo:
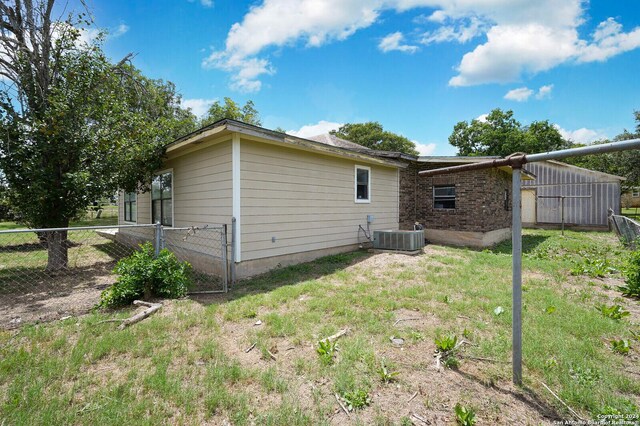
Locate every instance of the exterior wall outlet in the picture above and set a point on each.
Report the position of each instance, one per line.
(273, 239)
(370, 218)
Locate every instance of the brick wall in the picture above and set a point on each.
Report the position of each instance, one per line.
(480, 203)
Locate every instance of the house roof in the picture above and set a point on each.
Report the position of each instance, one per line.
(329, 139)
(332, 146)
(588, 171)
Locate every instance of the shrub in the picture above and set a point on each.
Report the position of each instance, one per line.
(632, 276)
(144, 275)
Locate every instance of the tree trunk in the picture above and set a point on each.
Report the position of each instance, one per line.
(57, 251)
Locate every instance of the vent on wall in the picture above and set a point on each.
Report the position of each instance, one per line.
(398, 240)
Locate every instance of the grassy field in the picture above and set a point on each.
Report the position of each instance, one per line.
(633, 213)
(194, 362)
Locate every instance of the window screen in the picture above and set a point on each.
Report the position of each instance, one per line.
(362, 184)
(130, 208)
(444, 197)
(162, 199)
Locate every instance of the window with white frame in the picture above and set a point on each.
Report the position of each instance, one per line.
(363, 184)
(162, 198)
(635, 193)
(444, 197)
(130, 207)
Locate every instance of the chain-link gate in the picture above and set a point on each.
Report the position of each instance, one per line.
(205, 248)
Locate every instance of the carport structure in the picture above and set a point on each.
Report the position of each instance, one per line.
(516, 161)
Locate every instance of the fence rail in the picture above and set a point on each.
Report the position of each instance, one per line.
(54, 272)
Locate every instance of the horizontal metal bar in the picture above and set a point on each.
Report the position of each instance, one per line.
(585, 150)
(518, 160)
(564, 196)
(207, 292)
(75, 228)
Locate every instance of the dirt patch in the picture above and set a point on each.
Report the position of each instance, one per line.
(59, 296)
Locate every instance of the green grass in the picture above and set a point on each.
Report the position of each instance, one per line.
(187, 364)
(633, 213)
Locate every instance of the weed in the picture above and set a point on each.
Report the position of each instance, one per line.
(465, 416)
(446, 299)
(550, 363)
(386, 375)
(632, 276)
(446, 350)
(593, 267)
(550, 309)
(498, 311)
(326, 351)
(620, 346)
(406, 421)
(416, 336)
(584, 376)
(359, 398)
(615, 312)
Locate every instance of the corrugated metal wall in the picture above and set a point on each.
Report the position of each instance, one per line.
(553, 178)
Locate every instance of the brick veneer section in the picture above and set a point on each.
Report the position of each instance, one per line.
(480, 203)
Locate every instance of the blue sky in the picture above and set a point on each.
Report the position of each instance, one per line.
(416, 66)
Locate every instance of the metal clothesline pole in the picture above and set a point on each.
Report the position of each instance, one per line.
(516, 161)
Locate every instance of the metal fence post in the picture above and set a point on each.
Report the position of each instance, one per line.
(225, 263)
(157, 240)
(516, 242)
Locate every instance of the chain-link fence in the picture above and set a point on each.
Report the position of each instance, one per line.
(628, 230)
(47, 274)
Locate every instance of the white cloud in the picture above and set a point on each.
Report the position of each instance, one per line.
(425, 148)
(544, 92)
(461, 33)
(523, 37)
(89, 35)
(482, 118)
(198, 106)
(393, 41)
(320, 128)
(520, 94)
(582, 135)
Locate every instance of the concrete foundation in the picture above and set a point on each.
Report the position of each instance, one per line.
(250, 268)
(467, 238)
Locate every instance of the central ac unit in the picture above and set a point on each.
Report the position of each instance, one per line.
(398, 240)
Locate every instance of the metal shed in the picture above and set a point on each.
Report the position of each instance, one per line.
(587, 195)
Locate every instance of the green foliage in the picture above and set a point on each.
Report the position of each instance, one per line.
(386, 375)
(326, 351)
(76, 127)
(632, 276)
(593, 267)
(142, 274)
(624, 163)
(247, 113)
(621, 346)
(615, 312)
(372, 135)
(584, 375)
(501, 134)
(447, 349)
(359, 398)
(465, 416)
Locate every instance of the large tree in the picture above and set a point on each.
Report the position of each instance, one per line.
(372, 135)
(75, 126)
(625, 163)
(501, 134)
(230, 109)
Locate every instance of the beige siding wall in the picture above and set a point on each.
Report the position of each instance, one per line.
(306, 201)
(201, 188)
